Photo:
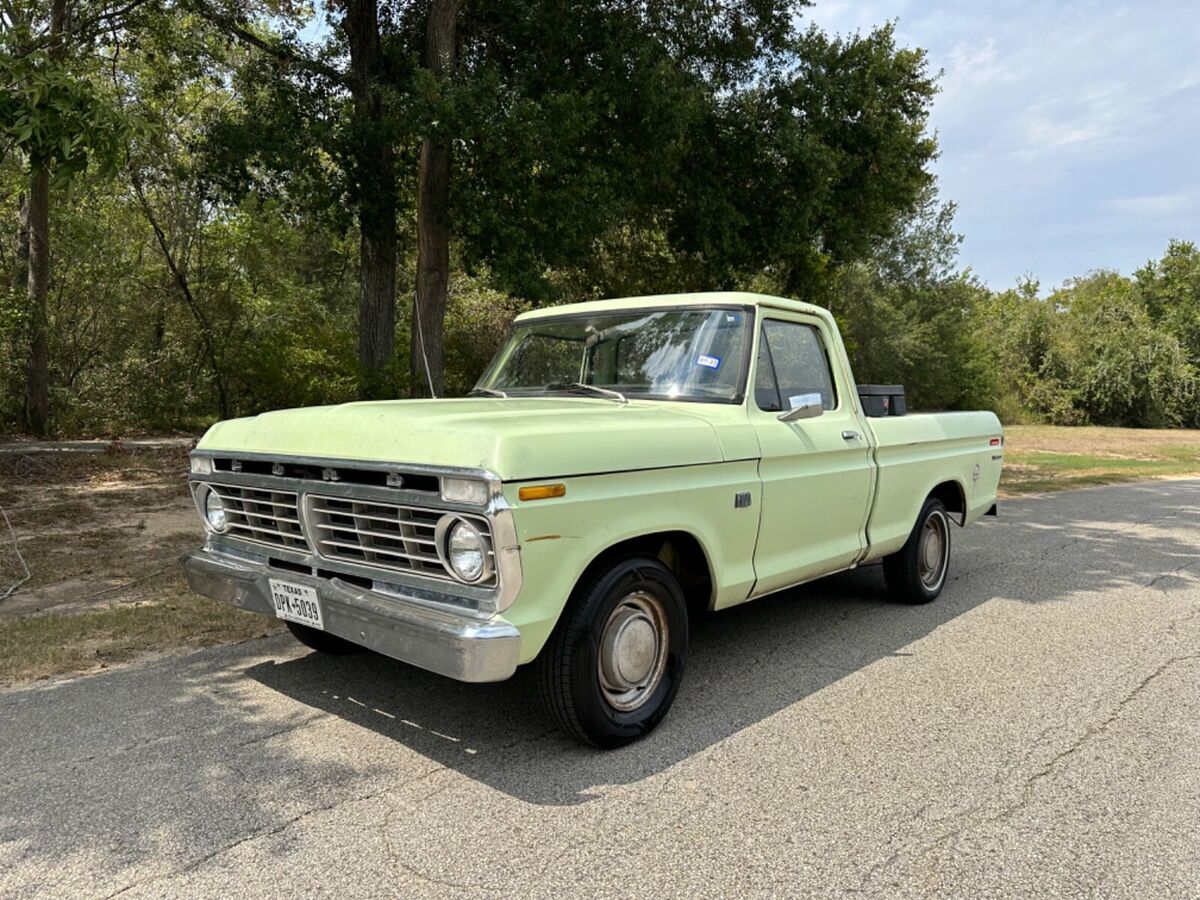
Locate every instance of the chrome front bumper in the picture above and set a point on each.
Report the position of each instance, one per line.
(455, 646)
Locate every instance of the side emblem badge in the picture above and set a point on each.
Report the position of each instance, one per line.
(741, 500)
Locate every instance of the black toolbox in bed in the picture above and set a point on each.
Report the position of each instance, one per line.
(880, 400)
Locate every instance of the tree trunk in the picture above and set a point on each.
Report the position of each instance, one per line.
(427, 359)
(37, 378)
(377, 293)
(37, 373)
(21, 276)
(376, 189)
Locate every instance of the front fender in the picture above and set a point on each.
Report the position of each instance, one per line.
(561, 537)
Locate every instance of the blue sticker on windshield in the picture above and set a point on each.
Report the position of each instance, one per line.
(711, 362)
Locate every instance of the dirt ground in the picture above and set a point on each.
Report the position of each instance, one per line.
(95, 529)
(100, 535)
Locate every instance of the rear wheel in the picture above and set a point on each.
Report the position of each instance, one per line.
(610, 671)
(916, 572)
(322, 641)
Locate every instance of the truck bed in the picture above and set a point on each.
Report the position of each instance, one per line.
(917, 452)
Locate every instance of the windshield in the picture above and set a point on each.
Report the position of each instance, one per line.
(671, 354)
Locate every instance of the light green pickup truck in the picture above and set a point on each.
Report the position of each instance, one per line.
(623, 465)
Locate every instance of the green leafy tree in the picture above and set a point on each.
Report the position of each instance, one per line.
(1023, 333)
(909, 316)
(55, 116)
(535, 135)
(1123, 369)
(1090, 353)
(1170, 288)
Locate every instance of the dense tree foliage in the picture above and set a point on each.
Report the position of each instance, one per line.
(237, 217)
(526, 132)
(1102, 349)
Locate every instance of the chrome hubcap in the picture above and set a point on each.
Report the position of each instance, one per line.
(633, 651)
(931, 554)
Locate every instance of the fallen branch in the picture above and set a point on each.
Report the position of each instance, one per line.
(125, 584)
(17, 549)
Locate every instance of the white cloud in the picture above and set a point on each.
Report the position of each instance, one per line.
(969, 63)
(1170, 206)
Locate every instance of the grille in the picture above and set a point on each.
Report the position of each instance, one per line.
(269, 517)
(385, 535)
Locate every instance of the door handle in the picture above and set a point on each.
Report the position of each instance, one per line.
(851, 435)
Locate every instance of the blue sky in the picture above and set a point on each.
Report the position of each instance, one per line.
(1070, 132)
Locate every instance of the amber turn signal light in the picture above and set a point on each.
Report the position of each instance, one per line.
(542, 491)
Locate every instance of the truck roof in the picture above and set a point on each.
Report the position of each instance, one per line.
(658, 301)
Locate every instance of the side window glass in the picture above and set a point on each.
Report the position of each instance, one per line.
(798, 365)
(766, 391)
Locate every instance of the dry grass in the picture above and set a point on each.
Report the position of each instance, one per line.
(1040, 458)
(46, 644)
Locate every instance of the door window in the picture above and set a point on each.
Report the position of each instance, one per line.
(792, 364)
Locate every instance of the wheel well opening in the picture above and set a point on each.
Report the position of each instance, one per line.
(678, 551)
(952, 497)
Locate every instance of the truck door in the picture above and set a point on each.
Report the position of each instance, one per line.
(816, 472)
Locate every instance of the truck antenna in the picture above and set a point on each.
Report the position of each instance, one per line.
(421, 338)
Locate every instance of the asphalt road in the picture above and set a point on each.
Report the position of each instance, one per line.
(1034, 732)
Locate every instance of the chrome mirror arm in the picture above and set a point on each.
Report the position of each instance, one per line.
(807, 411)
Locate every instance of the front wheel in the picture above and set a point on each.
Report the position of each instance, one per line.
(610, 670)
(916, 572)
(322, 641)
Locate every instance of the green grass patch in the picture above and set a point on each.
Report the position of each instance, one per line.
(1046, 458)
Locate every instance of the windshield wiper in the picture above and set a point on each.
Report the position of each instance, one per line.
(487, 392)
(580, 386)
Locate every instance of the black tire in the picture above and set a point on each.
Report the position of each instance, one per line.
(322, 641)
(572, 679)
(910, 576)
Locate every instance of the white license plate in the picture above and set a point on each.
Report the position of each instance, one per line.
(297, 603)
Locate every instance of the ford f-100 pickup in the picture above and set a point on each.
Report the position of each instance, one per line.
(623, 465)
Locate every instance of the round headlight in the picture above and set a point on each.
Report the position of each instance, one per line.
(466, 551)
(214, 511)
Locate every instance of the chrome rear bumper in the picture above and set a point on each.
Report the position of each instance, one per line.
(455, 646)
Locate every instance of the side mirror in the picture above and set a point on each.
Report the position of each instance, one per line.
(803, 411)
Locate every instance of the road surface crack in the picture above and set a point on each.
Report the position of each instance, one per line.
(1094, 730)
(268, 832)
(285, 729)
(1173, 573)
(962, 822)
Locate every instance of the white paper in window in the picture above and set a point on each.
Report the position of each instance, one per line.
(804, 400)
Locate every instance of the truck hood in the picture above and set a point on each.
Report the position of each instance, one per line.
(516, 438)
